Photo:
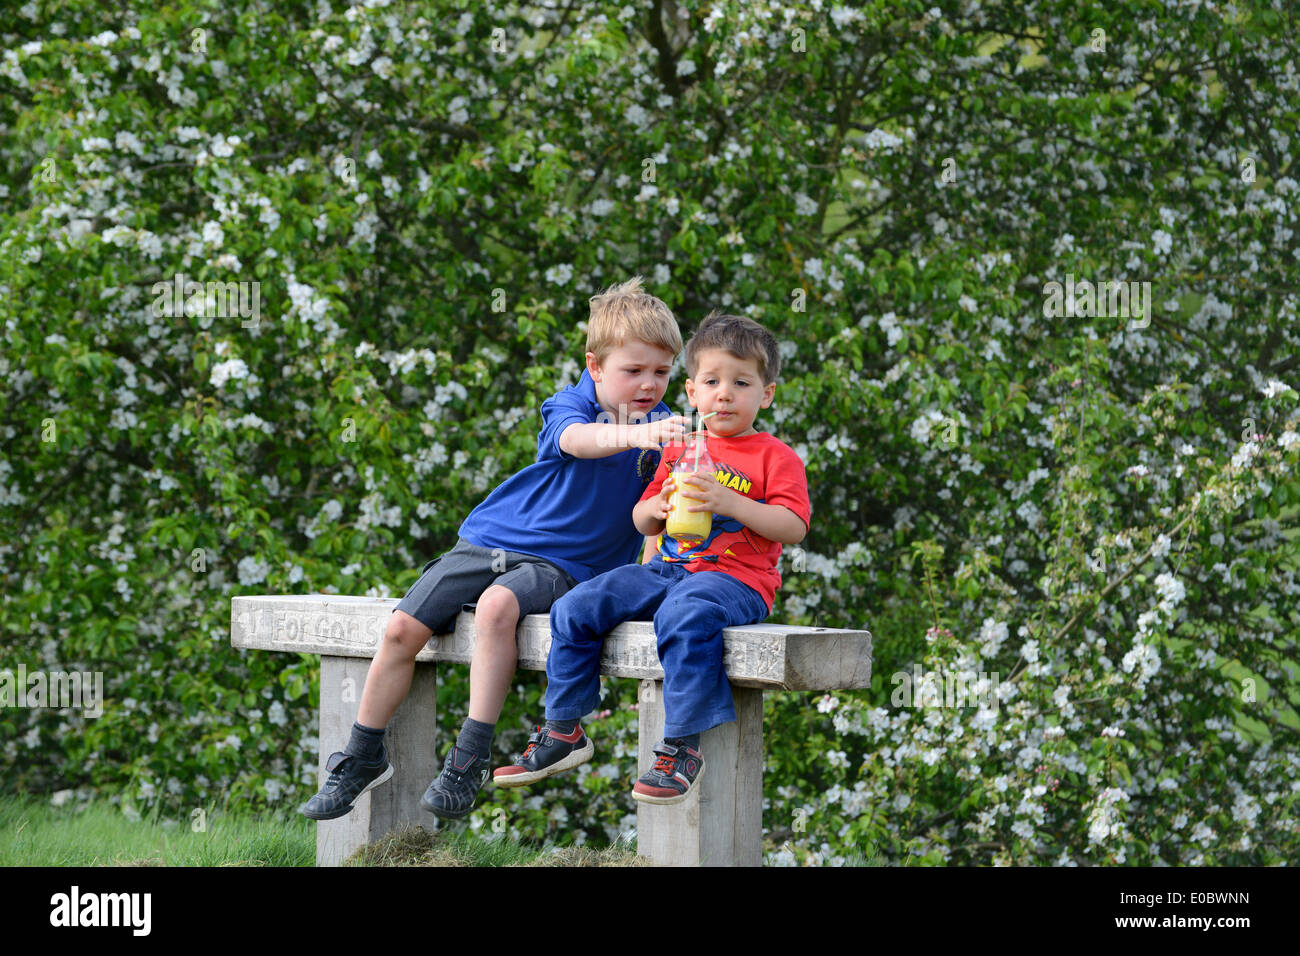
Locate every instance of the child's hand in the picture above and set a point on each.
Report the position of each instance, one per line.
(653, 434)
(660, 510)
(713, 496)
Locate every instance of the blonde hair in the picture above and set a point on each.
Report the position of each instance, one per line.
(626, 313)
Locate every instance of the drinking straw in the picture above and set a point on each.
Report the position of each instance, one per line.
(699, 443)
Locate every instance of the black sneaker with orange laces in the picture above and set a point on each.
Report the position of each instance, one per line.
(548, 752)
(675, 773)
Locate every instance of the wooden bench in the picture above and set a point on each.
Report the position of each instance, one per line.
(719, 825)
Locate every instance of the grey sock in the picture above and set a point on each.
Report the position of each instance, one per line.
(476, 737)
(366, 743)
(561, 726)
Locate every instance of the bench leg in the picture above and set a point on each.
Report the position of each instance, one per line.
(412, 749)
(721, 824)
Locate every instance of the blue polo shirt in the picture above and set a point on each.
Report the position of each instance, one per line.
(574, 512)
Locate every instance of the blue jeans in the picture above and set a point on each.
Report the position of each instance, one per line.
(689, 610)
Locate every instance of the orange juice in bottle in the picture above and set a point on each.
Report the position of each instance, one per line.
(689, 528)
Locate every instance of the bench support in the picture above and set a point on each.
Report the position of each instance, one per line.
(721, 824)
(411, 749)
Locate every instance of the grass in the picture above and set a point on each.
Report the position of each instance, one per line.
(416, 846)
(34, 833)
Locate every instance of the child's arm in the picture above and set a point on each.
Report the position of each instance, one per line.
(600, 440)
(774, 522)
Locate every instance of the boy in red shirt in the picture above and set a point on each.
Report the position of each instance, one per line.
(758, 494)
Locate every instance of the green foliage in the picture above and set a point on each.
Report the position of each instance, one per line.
(1100, 511)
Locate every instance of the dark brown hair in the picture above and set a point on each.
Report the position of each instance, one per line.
(742, 337)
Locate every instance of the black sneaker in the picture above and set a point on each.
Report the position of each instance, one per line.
(675, 773)
(349, 778)
(452, 795)
(548, 752)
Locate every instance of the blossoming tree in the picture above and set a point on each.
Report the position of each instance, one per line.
(284, 285)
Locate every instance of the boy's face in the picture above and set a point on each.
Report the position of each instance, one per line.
(632, 379)
(731, 387)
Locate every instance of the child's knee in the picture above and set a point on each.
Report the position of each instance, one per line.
(497, 611)
(565, 616)
(405, 634)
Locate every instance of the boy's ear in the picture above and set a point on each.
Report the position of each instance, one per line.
(593, 367)
(768, 392)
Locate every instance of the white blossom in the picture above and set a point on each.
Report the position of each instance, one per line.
(223, 371)
(560, 274)
(213, 234)
(252, 570)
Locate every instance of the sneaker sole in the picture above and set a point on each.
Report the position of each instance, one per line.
(575, 759)
(344, 811)
(668, 801)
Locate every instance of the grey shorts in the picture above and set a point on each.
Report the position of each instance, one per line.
(455, 581)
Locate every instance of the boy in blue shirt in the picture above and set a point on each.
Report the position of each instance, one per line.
(757, 493)
(560, 521)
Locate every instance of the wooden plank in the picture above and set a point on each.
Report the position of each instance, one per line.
(412, 749)
(721, 823)
(774, 656)
(747, 777)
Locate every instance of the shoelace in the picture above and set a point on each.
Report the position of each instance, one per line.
(665, 765)
(533, 742)
(336, 775)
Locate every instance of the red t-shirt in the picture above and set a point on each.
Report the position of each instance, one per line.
(761, 468)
